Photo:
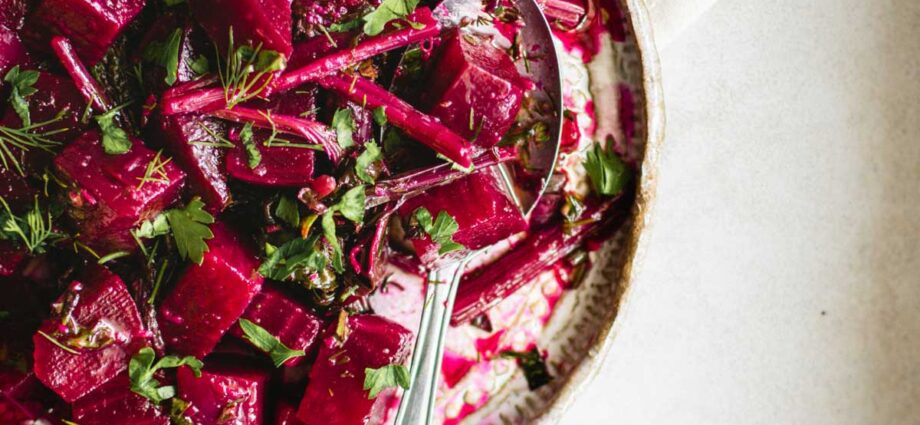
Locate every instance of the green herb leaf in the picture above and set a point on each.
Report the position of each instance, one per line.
(166, 54)
(141, 370)
(200, 65)
(364, 162)
(328, 223)
(533, 365)
(22, 83)
(294, 255)
(345, 26)
(190, 229)
(247, 71)
(288, 211)
(114, 140)
(352, 204)
(249, 145)
(389, 10)
(389, 376)
(35, 230)
(344, 124)
(441, 229)
(380, 115)
(607, 172)
(268, 343)
(153, 228)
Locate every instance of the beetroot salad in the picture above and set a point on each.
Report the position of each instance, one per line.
(223, 211)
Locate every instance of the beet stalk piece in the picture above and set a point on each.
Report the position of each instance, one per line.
(335, 394)
(112, 194)
(208, 299)
(191, 141)
(476, 89)
(92, 339)
(89, 88)
(115, 403)
(224, 395)
(312, 131)
(422, 127)
(92, 24)
(296, 326)
(265, 23)
(479, 203)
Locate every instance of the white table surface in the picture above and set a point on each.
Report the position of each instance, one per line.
(782, 279)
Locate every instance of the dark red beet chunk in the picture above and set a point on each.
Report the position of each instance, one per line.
(208, 299)
(295, 325)
(224, 395)
(11, 257)
(115, 403)
(254, 22)
(55, 94)
(280, 166)
(335, 394)
(107, 199)
(203, 164)
(103, 304)
(12, 13)
(14, 188)
(477, 89)
(480, 204)
(23, 399)
(286, 414)
(92, 25)
(12, 51)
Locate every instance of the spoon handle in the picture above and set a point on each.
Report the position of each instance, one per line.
(417, 404)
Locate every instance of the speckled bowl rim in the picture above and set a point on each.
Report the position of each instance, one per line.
(585, 372)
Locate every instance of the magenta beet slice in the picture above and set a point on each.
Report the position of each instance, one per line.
(203, 164)
(477, 89)
(208, 299)
(92, 25)
(55, 94)
(224, 395)
(280, 166)
(107, 198)
(12, 51)
(335, 394)
(115, 403)
(254, 22)
(295, 325)
(103, 305)
(480, 204)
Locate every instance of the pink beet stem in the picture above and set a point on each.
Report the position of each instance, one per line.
(310, 130)
(211, 99)
(84, 81)
(420, 126)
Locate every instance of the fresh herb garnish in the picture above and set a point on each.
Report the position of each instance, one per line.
(389, 10)
(294, 255)
(380, 115)
(189, 227)
(533, 365)
(268, 343)
(253, 156)
(364, 162)
(152, 228)
(389, 376)
(247, 71)
(155, 171)
(25, 139)
(441, 230)
(166, 54)
(328, 225)
(112, 256)
(607, 172)
(114, 140)
(200, 65)
(35, 230)
(141, 369)
(22, 83)
(344, 124)
(288, 211)
(352, 204)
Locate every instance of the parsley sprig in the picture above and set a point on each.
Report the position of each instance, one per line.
(607, 172)
(21, 83)
(389, 376)
(389, 10)
(141, 370)
(115, 141)
(166, 54)
(441, 229)
(268, 343)
(246, 71)
(188, 226)
(344, 124)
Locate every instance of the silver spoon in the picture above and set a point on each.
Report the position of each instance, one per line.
(418, 402)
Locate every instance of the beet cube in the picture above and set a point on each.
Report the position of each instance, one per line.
(479, 203)
(91, 25)
(280, 166)
(254, 22)
(55, 94)
(335, 394)
(12, 13)
(115, 403)
(476, 89)
(286, 414)
(295, 325)
(12, 51)
(108, 198)
(208, 299)
(202, 163)
(104, 310)
(14, 188)
(224, 395)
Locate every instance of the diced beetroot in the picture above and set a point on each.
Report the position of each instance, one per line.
(55, 94)
(23, 399)
(280, 166)
(202, 163)
(286, 414)
(12, 51)
(12, 13)
(254, 22)
(208, 299)
(335, 394)
(115, 403)
(295, 325)
(14, 188)
(92, 25)
(104, 308)
(477, 89)
(481, 205)
(317, 47)
(86, 83)
(108, 199)
(224, 395)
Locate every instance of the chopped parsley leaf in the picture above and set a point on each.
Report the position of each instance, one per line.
(389, 10)
(441, 229)
(22, 83)
(141, 369)
(344, 124)
(364, 162)
(607, 172)
(389, 376)
(268, 343)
